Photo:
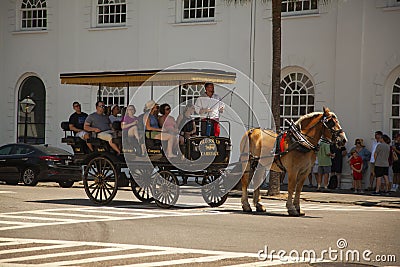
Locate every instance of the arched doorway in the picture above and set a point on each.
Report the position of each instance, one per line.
(32, 87)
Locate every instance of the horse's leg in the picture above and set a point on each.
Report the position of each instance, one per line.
(299, 187)
(292, 175)
(258, 178)
(245, 202)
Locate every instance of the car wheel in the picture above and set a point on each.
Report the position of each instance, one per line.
(66, 184)
(29, 177)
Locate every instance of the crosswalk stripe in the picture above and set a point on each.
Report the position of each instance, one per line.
(36, 218)
(63, 254)
(74, 215)
(107, 258)
(22, 250)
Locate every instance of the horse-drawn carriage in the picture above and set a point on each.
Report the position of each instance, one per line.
(151, 177)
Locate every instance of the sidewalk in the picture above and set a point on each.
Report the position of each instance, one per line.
(342, 196)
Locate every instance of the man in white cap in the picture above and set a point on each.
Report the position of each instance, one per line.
(114, 113)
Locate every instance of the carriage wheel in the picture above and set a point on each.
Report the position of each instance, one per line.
(100, 180)
(165, 189)
(214, 191)
(141, 184)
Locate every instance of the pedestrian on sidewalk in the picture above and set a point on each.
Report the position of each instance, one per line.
(381, 156)
(356, 164)
(396, 162)
(365, 154)
(324, 156)
(314, 171)
(378, 135)
(337, 161)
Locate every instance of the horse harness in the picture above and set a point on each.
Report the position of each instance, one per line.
(297, 141)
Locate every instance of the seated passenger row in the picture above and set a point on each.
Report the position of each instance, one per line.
(162, 127)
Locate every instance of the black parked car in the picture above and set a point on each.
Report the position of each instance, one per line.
(36, 163)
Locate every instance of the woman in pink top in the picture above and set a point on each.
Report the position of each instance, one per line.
(168, 123)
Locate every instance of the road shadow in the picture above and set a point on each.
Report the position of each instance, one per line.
(125, 204)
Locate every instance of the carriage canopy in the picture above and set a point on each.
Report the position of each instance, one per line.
(168, 77)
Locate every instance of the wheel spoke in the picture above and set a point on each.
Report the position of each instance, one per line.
(109, 176)
(106, 190)
(94, 189)
(97, 189)
(93, 184)
(101, 193)
(106, 169)
(109, 186)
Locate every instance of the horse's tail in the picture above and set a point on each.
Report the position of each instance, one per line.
(245, 145)
(245, 155)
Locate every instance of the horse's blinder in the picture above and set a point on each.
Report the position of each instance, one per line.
(329, 123)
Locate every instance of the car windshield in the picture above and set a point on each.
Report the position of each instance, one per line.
(50, 150)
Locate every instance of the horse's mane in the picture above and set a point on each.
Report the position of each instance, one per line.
(311, 115)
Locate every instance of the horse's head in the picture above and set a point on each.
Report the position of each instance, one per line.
(332, 129)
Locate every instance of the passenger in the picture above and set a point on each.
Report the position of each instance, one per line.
(129, 124)
(166, 121)
(114, 113)
(186, 124)
(76, 123)
(99, 123)
(150, 120)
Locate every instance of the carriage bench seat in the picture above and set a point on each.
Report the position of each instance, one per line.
(153, 146)
(95, 141)
(68, 139)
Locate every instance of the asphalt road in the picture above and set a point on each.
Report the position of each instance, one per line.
(60, 227)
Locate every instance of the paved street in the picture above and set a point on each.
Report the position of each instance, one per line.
(51, 226)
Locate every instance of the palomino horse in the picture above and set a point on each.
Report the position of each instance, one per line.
(293, 153)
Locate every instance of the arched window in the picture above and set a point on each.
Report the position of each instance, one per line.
(33, 15)
(296, 98)
(35, 121)
(111, 13)
(395, 118)
(189, 93)
(113, 95)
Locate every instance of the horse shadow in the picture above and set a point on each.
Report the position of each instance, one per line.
(267, 214)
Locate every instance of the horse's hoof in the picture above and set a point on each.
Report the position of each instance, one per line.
(246, 209)
(261, 208)
(293, 213)
(301, 213)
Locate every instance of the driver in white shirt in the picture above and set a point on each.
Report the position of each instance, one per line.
(210, 106)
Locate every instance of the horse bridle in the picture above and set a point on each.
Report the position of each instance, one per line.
(329, 123)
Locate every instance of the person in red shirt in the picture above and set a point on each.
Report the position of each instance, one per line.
(356, 164)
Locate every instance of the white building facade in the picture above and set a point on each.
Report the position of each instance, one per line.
(341, 54)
